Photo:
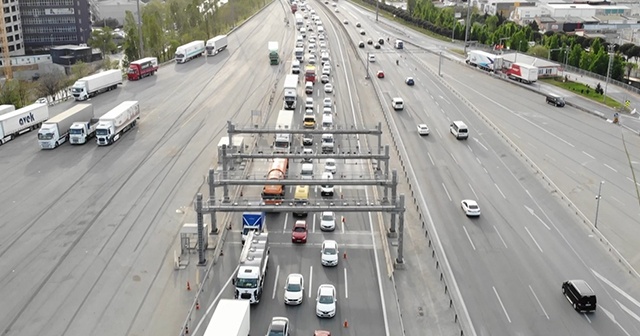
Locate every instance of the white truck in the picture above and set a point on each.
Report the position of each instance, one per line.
(484, 60)
(189, 51)
(117, 121)
(87, 87)
(55, 131)
(22, 121)
(252, 271)
(81, 131)
(216, 45)
(524, 73)
(5, 108)
(290, 92)
(231, 318)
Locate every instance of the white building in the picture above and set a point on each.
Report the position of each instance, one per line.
(13, 25)
(582, 10)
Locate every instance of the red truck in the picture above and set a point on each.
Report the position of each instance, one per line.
(142, 68)
(294, 8)
(310, 73)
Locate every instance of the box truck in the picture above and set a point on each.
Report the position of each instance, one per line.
(89, 86)
(484, 60)
(81, 131)
(117, 121)
(54, 132)
(274, 56)
(22, 120)
(216, 45)
(189, 51)
(231, 318)
(290, 92)
(524, 73)
(142, 68)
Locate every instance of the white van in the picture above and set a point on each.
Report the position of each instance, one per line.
(327, 143)
(459, 130)
(295, 67)
(306, 173)
(397, 103)
(327, 121)
(324, 57)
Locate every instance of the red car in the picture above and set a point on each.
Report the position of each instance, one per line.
(321, 333)
(299, 232)
(380, 74)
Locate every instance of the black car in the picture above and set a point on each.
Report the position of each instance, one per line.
(381, 41)
(361, 44)
(409, 81)
(580, 295)
(369, 41)
(362, 32)
(358, 24)
(307, 140)
(555, 100)
(377, 46)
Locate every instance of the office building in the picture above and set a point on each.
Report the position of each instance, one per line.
(12, 23)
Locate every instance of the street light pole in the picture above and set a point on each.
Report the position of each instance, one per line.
(140, 30)
(598, 197)
(606, 84)
(466, 27)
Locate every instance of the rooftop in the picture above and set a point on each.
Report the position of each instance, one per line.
(526, 59)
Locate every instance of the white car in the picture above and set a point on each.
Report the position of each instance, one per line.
(423, 129)
(336, 10)
(326, 301)
(321, 36)
(307, 151)
(279, 326)
(312, 59)
(328, 88)
(308, 104)
(330, 166)
(329, 253)
(312, 46)
(312, 40)
(328, 221)
(294, 289)
(324, 79)
(470, 208)
(326, 70)
(372, 58)
(327, 102)
(322, 44)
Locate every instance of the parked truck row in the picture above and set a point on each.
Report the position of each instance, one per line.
(55, 131)
(16, 122)
(216, 45)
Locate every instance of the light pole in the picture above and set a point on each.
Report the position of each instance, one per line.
(598, 197)
(466, 27)
(606, 84)
(140, 29)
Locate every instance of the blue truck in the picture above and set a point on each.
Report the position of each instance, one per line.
(252, 221)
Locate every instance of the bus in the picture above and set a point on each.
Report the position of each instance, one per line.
(274, 194)
(283, 142)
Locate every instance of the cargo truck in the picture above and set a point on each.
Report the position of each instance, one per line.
(55, 131)
(274, 57)
(189, 51)
(252, 271)
(231, 318)
(116, 122)
(87, 87)
(294, 8)
(6, 109)
(310, 73)
(252, 221)
(142, 68)
(22, 121)
(484, 60)
(290, 92)
(524, 73)
(81, 131)
(216, 45)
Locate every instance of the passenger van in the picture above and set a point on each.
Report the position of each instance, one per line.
(324, 57)
(397, 103)
(301, 198)
(306, 172)
(459, 130)
(580, 295)
(327, 121)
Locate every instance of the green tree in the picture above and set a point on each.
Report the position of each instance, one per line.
(599, 62)
(103, 39)
(79, 70)
(131, 40)
(539, 51)
(50, 84)
(575, 55)
(411, 4)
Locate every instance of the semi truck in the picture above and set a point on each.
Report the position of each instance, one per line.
(310, 73)
(524, 73)
(6, 108)
(274, 57)
(22, 121)
(81, 131)
(87, 87)
(252, 221)
(231, 318)
(290, 92)
(484, 60)
(142, 68)
(55, 131)
(117, 121)
(189, 51)
(216, 45)
(252, 271)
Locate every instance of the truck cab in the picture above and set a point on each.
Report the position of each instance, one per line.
(81, 132)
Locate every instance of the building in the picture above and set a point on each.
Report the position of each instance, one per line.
(13, 26)
(68, 55)
(545, 68)
(48, 23)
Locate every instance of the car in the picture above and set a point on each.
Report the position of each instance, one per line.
(321, 333)
(362, 32)
(312, 59)
(42, 100)
(358, 24)
(372, 58)
(327, 102)
(299, 232)
(380, 74)
(330, 166)
(345, 22)
(321, 37)
(580, 295)
(326, 70)
(361, 44)
(310, 29)
(312, 47)
(377, 46)
(329, 253)
(470, 208)
(326, 110)
(312, 40)
(307, 140)
(381, 41)
(324, 79)
(313, 36)
(322, 45)
(369, 41)
(423, 129)
(326, 301)
(336, 10)
(279, 326)
(328, 221)
(409, 81)
(328, 88)
(294, 289)
(397, 103)
(334, 5)
(307, 151)
(308, 104)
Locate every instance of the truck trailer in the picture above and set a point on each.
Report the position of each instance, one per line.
(524, 73)
(142, 68)
(87, 87)
(5, 108)
(216, 45)
(252, 271)
(22, 121)
(55, 131)
(116, 122)
(231, 318)
(189, 51)
(252, 221)
(274, 56)
(81, 131)
(290, 92)
(484, 60)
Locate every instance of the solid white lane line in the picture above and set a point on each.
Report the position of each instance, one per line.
(501, 193)
(499, 235)
(346, 284)
(313, 227)
(539, 303)
(275, 283)
(310, 280)
(446, 191)
(469, 237)
(534, 240)
(502, 305)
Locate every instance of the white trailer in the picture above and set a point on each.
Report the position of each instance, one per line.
(22, 121)
(290, 92)
(55, 131)
(89, 86)
(231, 318)
(117, 121)
(189, 51)
(6, 109)
(252, 271)
(81, 131)
(484, 60)
(524, 73)
(216, 45)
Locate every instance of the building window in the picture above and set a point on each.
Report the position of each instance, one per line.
(12, 48)
(17, 36)
(9, 29)
(18, 47)
(9, 38)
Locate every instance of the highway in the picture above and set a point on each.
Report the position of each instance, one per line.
(522, 228)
